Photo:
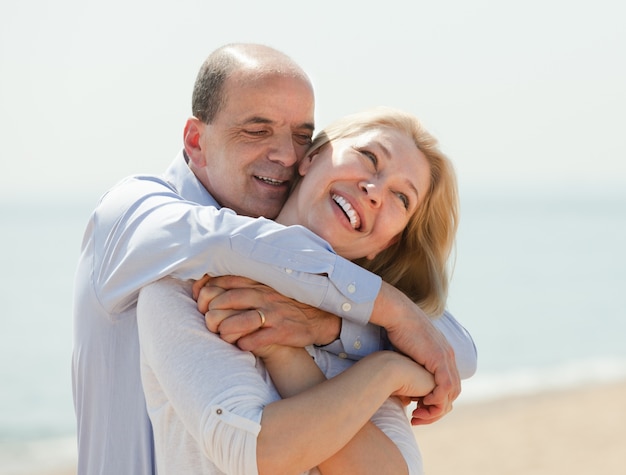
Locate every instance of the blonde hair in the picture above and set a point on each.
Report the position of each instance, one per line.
(417, 263)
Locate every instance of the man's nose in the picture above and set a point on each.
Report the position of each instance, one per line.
(284, 151)
(372, 191)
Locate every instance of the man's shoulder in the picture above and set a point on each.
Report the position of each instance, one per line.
(143, 181)
(137, 186)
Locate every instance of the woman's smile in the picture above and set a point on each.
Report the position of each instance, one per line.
(349, 211)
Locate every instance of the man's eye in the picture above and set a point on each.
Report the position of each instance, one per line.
(303, 139)
(256, 133)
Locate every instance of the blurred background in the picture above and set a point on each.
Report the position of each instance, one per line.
(527, 98)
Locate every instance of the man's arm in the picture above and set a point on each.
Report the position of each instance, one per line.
(410, 330)
(143, 230)
(294, 324)
(465, 353)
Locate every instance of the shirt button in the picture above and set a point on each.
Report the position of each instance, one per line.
(219, 412)
(351, 288)
(342, 355)
(357, 345)
(346, 307)
(288, 271)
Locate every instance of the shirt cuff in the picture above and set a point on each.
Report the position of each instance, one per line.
(357, 290)
(355, 341)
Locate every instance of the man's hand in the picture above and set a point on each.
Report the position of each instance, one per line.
(411, 332)
(230, 306)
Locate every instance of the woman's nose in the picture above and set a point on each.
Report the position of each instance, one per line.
(372, 192)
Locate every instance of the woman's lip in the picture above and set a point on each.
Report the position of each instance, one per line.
(349, 210)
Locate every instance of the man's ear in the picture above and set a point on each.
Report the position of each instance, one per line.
(191, 139)
(391, 242)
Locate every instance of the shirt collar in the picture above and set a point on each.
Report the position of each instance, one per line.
(180, 176)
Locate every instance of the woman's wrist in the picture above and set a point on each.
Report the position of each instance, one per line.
(398, 375)
(275, 354)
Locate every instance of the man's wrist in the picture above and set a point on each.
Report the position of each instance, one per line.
(330, 330)
(389, 302)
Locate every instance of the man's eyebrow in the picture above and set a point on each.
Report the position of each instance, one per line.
(308, 126)
(257, 120)
(263, 120)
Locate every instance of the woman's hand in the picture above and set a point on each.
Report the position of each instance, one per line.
(410, 380)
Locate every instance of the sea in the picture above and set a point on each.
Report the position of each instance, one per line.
(539, 280)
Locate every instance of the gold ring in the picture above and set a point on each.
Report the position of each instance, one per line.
(262, 315)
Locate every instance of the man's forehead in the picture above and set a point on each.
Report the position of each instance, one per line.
(276, 100)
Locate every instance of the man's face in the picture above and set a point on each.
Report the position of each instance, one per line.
(255, 141)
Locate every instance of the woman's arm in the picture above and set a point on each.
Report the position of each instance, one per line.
(370, 451)
(337, 423)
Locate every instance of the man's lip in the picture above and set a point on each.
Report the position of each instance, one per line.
(271, 181)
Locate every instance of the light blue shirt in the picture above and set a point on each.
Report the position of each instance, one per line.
(148, 227)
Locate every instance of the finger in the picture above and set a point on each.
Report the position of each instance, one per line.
(206, 295)
(442, 395)
(427, 415)
(264, 337)
(404, 400)
(421, 422)
(213, 319)
(235, 324)
(428, 412)
(233, 282)
(238, 299)
(197, 285)
(231, 338)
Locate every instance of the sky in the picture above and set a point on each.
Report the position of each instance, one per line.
(520, 94)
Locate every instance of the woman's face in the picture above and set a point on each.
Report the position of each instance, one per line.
(358, 193)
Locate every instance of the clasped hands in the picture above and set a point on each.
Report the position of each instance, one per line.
(230, 305)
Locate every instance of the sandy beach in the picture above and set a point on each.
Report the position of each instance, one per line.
(580, 431)
(571, 432)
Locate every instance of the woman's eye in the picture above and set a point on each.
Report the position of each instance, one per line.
(373, 158)
(404, 199)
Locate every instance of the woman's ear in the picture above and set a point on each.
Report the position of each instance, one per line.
(306, 162)
(191, 140)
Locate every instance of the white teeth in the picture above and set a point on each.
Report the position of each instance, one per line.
(347, 208)
(269, 180)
